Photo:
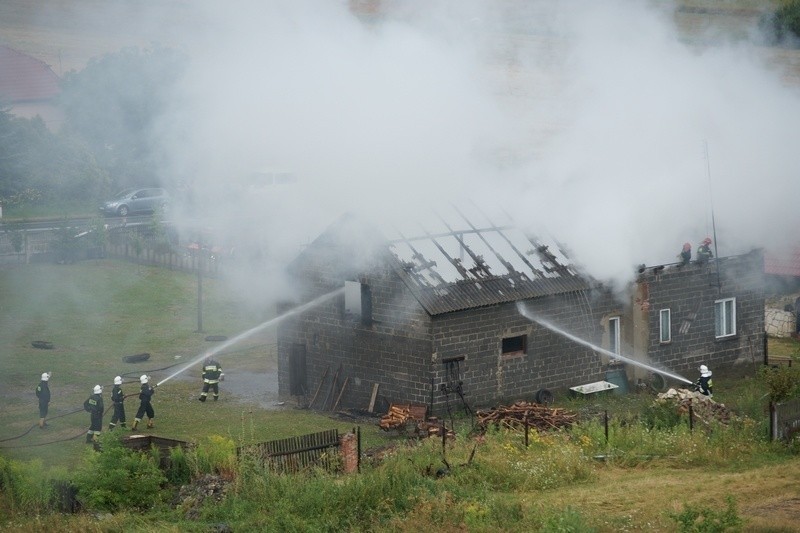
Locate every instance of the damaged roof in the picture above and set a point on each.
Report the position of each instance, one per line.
(452, 262)
(461, 262)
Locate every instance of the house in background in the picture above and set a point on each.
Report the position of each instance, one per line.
(29, 87)
(433, 318)
(782, 273)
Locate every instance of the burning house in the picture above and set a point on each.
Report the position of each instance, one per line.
(433, 319)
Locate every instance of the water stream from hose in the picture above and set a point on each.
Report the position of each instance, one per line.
(549, 325)
(252, 331)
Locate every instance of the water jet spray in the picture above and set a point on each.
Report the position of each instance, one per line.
(252, 331)
(530, 316)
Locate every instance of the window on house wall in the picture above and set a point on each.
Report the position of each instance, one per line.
(665, 326)
(614, 335)
(358, 301)
(515, 345)
(725, 317)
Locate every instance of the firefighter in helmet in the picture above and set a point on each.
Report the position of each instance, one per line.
(704, 384)
(43, 393)
(686, 254)
(117, 398)
(212, 375)
(94, 405)
(704, 251)
(145, 406)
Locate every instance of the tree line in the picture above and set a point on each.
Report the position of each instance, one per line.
(105, 142)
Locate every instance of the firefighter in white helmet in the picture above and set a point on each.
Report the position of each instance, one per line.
(145, 407)
(43, 394)
(704, 384)
(118, 399)
(94, 405)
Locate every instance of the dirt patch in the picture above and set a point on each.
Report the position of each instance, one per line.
(785, 510)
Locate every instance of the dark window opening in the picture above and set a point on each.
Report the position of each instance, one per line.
(515, 345)
(297, 370)
(358, 301)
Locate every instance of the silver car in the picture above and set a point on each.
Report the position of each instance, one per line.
(135, 201)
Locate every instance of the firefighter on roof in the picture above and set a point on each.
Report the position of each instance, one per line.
(212, 375)
(704, 251)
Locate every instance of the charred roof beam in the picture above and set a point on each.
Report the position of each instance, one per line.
(480, 264)
(509, 266)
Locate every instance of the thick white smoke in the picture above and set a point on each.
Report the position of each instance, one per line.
(587, 120)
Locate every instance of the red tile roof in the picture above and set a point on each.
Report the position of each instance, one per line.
(785, 263)
(24, 78)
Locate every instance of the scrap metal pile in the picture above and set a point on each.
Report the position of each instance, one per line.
(536, 416)
(704, 408)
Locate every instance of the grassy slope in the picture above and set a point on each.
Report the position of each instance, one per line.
(95, 313)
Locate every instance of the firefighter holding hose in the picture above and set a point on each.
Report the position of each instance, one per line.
(704, 383)
(118, 399)
(212, 375)
(145, 406)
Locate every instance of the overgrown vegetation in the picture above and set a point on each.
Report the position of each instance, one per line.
(783, 25)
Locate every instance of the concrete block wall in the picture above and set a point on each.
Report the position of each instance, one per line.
(690, 292)
(392, 351)
(552, 360)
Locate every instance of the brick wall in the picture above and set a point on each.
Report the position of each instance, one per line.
(690, 292)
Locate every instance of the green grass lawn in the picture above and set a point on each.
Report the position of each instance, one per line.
(97, 312)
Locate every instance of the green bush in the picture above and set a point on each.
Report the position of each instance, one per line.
(118, 478)
(783, 383)
(661, 415)
(787, 20)
(702, 519)
(25, 487)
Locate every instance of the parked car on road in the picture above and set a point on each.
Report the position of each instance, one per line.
(136, 201)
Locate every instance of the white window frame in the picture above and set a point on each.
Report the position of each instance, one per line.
(725, 317)
(665, 326)
(614, 327)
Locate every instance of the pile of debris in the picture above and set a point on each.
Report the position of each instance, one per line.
(535, 415)
(191, 497)
(704, 408)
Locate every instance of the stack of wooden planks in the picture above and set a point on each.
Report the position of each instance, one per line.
(401, 414)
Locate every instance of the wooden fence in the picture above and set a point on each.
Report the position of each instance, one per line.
(784, 420)
(295, 454)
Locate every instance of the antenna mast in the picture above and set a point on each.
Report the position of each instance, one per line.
(711, 201)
